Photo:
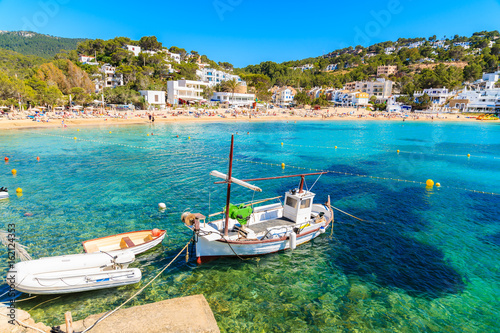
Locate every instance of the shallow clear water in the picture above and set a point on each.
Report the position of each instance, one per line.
(428, 260)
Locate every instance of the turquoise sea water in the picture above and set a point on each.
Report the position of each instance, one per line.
(429, 260)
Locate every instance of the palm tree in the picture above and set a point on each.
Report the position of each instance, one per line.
(232, 85)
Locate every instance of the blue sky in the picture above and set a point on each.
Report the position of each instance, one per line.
(247, 32)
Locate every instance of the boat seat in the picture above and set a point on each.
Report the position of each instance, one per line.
(126, 242)
(91, 248)
(148, 238)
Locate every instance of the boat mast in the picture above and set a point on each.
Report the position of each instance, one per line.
(301, 188)
(228, 196)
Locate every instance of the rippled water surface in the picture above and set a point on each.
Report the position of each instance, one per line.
(428, 260)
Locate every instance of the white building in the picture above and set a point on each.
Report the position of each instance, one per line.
(110, 78)
(134, 49)
(214, 76)
(332, 67)
(234, 99)
(465, 45)
(185, 91)
(153, 97)
(438, 44)
(478, 101)
(438, 96)
(347, 98)
(488, 81)
(393, 106)
(415, 45)
(87, 60)
(305, 67)
(284, 95)
(175, 57)
(389, 50)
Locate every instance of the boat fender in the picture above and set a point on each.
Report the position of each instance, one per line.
(188, 219)
(293, 240)
(322, 230)
(162, 206)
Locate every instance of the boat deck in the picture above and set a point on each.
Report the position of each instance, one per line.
(263, 226)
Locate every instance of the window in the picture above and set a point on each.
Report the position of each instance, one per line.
(305, 203)
(156, 98)
(291, 202)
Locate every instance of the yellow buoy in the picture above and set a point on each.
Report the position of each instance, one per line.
(468, 155)
(282, 143)
(148, 134)
(189, 137)
(429, 182)
(78, 130)
(438, 184)
(74, 138)
(282, 165)
(109, 132)
(397, 151)
(335, 147)
(14, 171)
(19, 190)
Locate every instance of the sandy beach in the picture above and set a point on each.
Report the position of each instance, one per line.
(221, 115)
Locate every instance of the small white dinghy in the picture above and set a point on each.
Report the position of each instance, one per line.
(74, 273)
(4, 193)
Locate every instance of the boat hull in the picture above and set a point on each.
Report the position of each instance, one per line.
(4, 195)
(208, 248)
(112, 243)
(74, 273)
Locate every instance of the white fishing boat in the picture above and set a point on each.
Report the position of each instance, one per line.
(74, 273)
(4, 193)
(246, 230)
(136, 241)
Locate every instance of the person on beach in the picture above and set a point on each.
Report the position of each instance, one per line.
(149, 115)
(153, 119)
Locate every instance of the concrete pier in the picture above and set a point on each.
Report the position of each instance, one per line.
(22, 316)
(187, 314)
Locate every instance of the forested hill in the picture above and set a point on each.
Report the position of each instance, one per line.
(32, 43)
(16, 64)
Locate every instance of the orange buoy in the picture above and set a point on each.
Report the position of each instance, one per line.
(156, 232)
(6, 159)
(198, 260)
(38, 158)
(177, 136)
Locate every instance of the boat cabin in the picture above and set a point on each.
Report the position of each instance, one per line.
(298, 205)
